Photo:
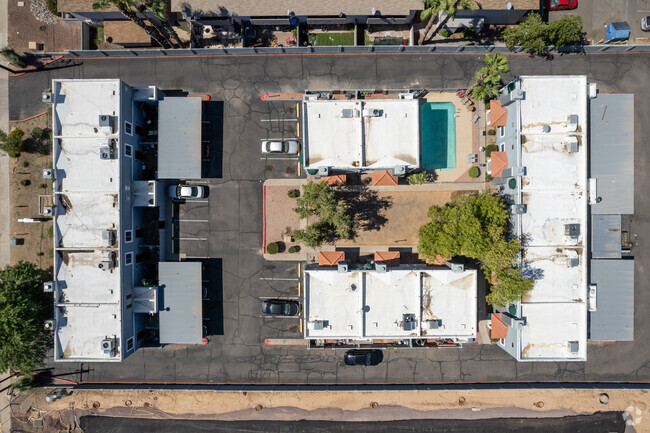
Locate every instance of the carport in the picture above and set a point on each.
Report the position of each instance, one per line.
(179, 294)
(179, 138)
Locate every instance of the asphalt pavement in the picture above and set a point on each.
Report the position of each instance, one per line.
(239, 278)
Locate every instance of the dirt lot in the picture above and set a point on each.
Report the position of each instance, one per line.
(281, 220)
(340, 406)
(24, 198)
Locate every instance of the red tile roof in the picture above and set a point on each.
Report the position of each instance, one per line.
(330, 258)
(498, 114)
(499, 328)
(439, 260)
(383, 178)
(336, 180)
(391, 258)
(499, 162)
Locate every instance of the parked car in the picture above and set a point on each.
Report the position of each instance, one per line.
(645, 24)
(558, 5)
(280, 307)
(363, 357)
(187, 191)
(287, 147)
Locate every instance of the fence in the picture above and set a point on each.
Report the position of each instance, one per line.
(380, 49)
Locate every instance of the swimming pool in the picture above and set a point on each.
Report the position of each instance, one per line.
(438, 136)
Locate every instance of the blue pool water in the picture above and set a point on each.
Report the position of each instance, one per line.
(438, 136)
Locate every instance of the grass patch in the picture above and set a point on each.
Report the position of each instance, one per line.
(331, 39)
(50, 232)
(96, 37)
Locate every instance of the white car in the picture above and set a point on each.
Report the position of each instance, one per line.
(186, 191)
(645, 24)
(287, 147)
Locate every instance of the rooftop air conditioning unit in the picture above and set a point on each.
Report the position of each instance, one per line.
(317, 325)
(519, 171)
(48, 325)
(518, 209)
(323, 171)
(349, 113)
(48, 211)
(434, 324)
(409, 322)
(343, 267)
(546, 128)
(104, 120)
(371, 112)
(592, 297)
(108, 346)
(574, 346)
(573, 259)
(104, 265)
(517, 95)
(381, 267)
(572, 145)
(47, 97)
(572, 230)
(48, 286)
(48, 173)
(400, 170)
(105, 152)
(455, 267)
(572, 119)
(108, 236)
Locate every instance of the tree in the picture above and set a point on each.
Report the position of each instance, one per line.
(13, 57)
(530, 34)
(24, 306)
(129, 9)
(534, 35)
(487, 80)
(160, 9)
(476, 227)
(565, 31)
(12, 143)
(510, 286)
(333, 220)
(433, 7)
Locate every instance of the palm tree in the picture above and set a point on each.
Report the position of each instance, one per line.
(125, 7)
(433, 7)
(487, 80)
(160, 9)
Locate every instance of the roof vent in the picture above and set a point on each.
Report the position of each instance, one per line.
(572, 230)
(572, 145)
(574, 346)
(409, 322)
(546, 128)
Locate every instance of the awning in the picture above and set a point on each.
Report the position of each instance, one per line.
(180, 310)
(613, 319)
(179, 138)
(612, 153)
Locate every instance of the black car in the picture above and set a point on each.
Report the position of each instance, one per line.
(363, 357)
(280, 307)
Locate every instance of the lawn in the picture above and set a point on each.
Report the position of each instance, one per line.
(330, 38)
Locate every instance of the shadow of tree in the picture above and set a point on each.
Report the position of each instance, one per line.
(365, 206)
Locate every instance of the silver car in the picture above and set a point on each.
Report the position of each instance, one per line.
(645, 23)
(187, 191)
(286, 147)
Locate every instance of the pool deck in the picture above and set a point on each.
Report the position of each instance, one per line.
(467, 139)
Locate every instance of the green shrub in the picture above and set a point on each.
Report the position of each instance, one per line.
(492, 131)
(24, 384)
(474, 172)
(50, 232)
(12, 143)
(52, 6)
(25, 164)
(417, 178)
(272, 248)
(13, 57)
(488, 178)
(469, 33)
(293, 249)
(489, 149)
(445, 33)
(293, 193)
(25, 182)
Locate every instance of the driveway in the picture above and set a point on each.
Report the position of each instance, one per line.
(238, 275)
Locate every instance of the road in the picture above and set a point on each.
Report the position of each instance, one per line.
(239, 277)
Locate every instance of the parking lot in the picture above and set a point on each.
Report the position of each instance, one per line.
(237, 276)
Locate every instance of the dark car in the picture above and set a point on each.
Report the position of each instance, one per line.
(363, 357)
(280, 307)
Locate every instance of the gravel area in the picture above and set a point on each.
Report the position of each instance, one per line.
(33, 22)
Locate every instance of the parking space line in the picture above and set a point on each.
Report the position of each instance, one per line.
(279, 279)
(280, 139)
(191, 239)
(288, 298)
(193, 221)
(281, 317)
(197, 201)
(279, 120)
(288, 158)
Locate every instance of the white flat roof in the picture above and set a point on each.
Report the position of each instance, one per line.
(338, 135)
(554, 190)
(549, 329)
(376, 308)
(450, 298)
(87, 195)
